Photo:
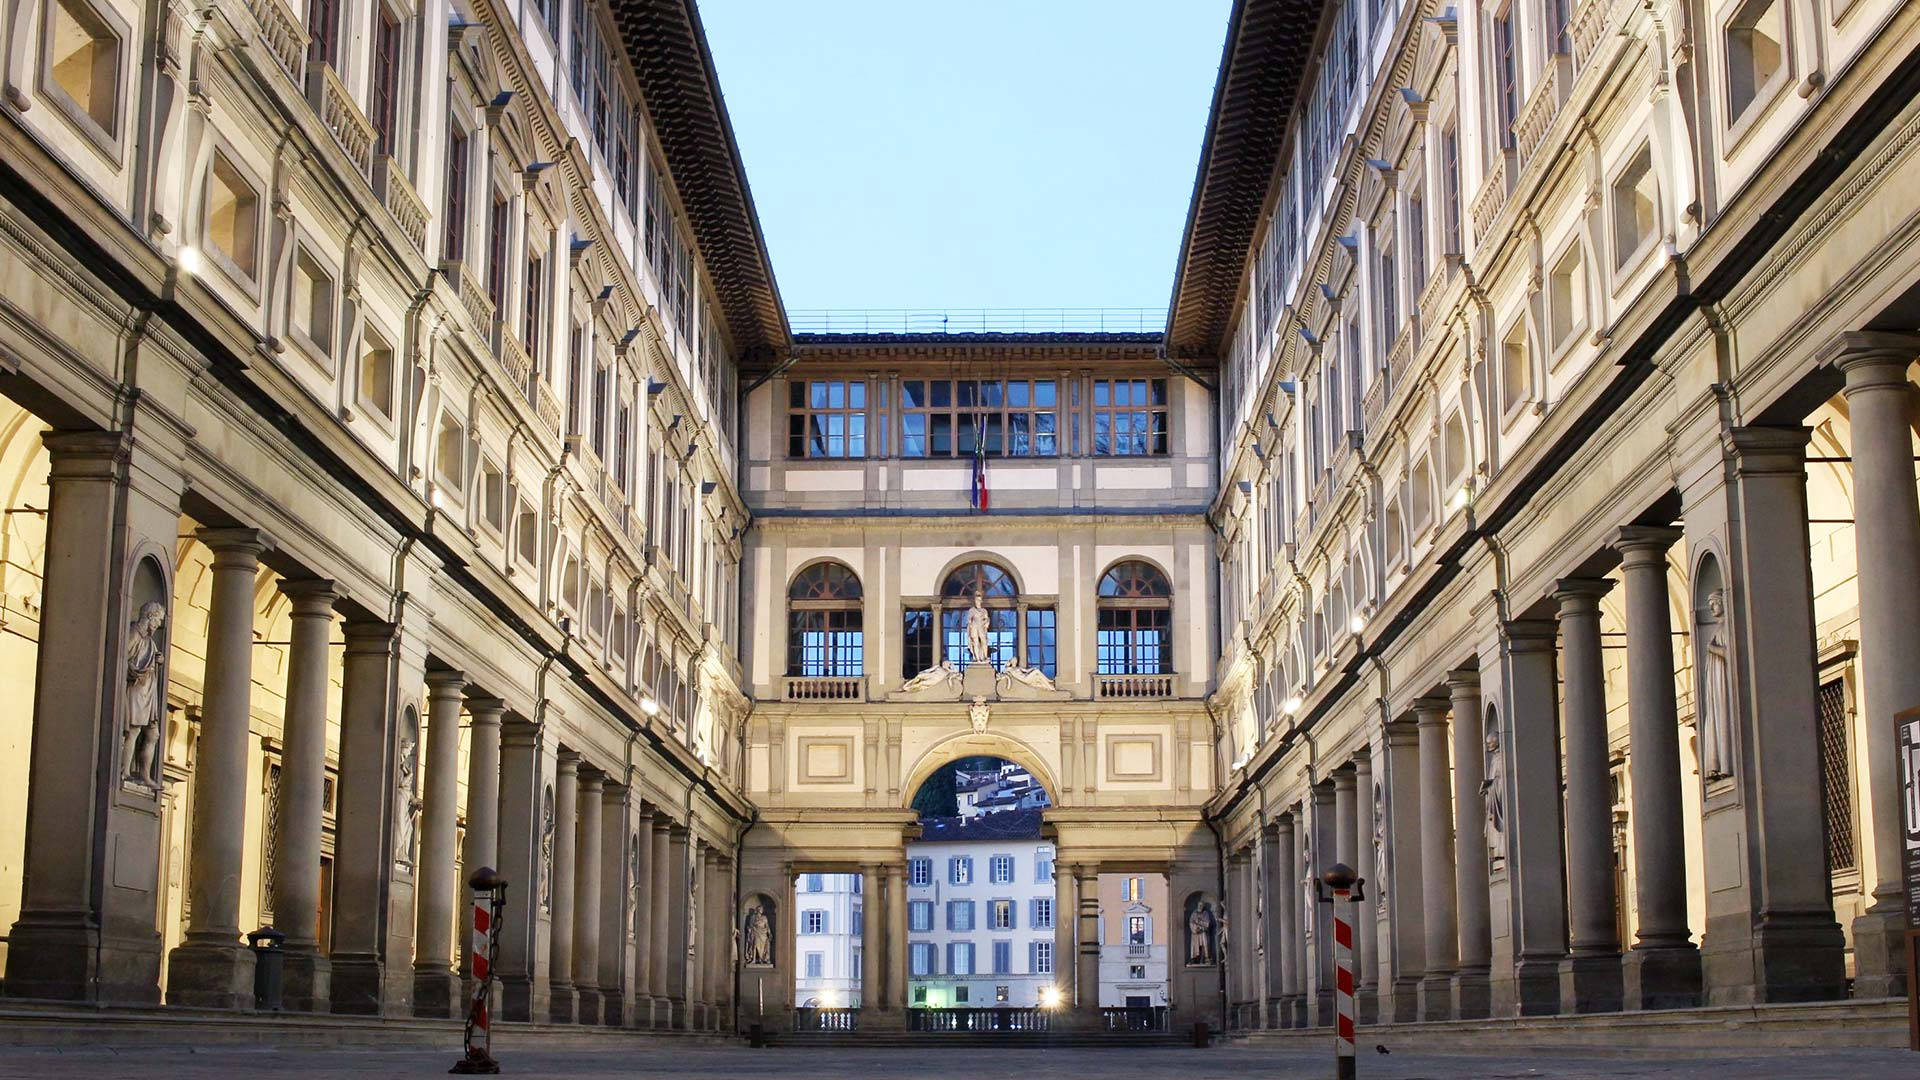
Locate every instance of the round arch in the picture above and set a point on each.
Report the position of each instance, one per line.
(822, 560)
(1173, 588)
(977, 555)
(978, 744)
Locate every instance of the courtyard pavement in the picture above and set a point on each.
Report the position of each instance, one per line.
(709, 1062)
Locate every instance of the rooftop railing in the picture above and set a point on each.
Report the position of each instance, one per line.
(979, 321)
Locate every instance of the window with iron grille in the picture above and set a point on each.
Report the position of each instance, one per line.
(824, 632)
(1129, 416)
(1835, 776)
(454, 243)
(827, 418)
(497, 225)
(532, 317)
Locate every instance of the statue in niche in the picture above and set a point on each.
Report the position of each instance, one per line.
(1200, 930)
(1309, 885)
(759, 936)
(979, 650)
(407, 821)
(633, 886)
(146, 728)
(1492, 789)
(945, 674)
(546, 850)
(1715, 708)
(1380, 842)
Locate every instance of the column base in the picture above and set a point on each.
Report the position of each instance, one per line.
(1436, 996)
(1880, 952)
(1591, 983)
(67, 960)
(1472, 995)
(1536, 986)
(437, 993)
(613, 1009)
(208, 975)
(1662, 977)
(306, 981)
(1366, 1005)
(560, 1004)
(359, 985)
(1293, 1011)
(587, 1005)
(1403, 1000)
(1323, 1011)
(1785, 958)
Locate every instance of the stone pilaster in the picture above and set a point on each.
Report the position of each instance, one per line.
(566, 840)
(896, 943)
(1590, 978)
(436, 989)
(212, 968)
(1663, 967)
(307, 973)
(873, 978)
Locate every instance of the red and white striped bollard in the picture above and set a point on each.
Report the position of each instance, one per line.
(1345, 888)
(489, 897)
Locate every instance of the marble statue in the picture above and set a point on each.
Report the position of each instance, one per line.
(546, 851)
(978, 623)
(1715, 716)
(1380, 842)
(978, 714)
(942, 674)
(407, 821)
(1493, 791)
(1200, 925)
(1031, 677)
(146, 724)
(759, 937)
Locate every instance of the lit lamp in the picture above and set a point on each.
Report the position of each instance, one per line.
(188, 259)
(1051, 997)
(1357, 624)
(1461, 497)
(1291, 705)
(649, 706)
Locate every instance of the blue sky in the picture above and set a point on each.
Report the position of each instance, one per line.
(998, 154)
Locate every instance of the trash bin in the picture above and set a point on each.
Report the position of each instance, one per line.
(1201, 1036)
(269, 966)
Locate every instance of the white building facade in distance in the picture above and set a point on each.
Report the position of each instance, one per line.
(1135, 924)
(829, 918)
(980, 912)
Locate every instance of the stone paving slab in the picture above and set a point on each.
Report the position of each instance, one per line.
(712, 1063)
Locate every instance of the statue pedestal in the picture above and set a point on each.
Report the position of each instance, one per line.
(977, 681)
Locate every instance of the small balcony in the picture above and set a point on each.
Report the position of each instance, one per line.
(282, 34)
(340, 116)
(1589, 23)
(823, 688)
(1133, 687)
(409, 210)
(1538, 113)
(1492, 196)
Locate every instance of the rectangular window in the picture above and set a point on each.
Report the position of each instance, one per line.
(948, 417)
(576, 375)
(1000, 915)
(83, 63)
(922, 953)
(813, 922)
(1042, 913)
(1450, 189)
(1000, 870)
(376, 376)
(1388, 280)
(1043, 867)
(920, 916)
(859, 921)
(1001, 624)
(1634, 209)
(233, 217)
(1137, 930)
(816, 883)
(1416, 245)
(1042, 957)
(1837, 774)
(310, 309)
(825, 643)
(526, 530)
(1129, 416)
(597, 404)
(1134, 641)
(1566, 298)
(920, 871)
(1043, 649)
(959, 915)
(858, 966)
(960, 870)
(959, 962)
(498, 222)
(1506, 77)
(323, 32)
(827, 418)
(493, 496)
(384, 108)
(1003, 960)
(453, 245)
(1134, 890)
(816, 964)
(533, 319)
(916, 650)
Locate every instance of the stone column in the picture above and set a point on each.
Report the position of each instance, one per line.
(566, 840)
(1322, 827)
(1590, 979)
(1530, 825)
(616, 889)
(661, 959)
(307, 976)
(436, 991)
(522, 827)
(87, 821)
(873, 980)
(1402, 893)
(719, 940)
(896, 944)
(1663, 967)
(679, 949)
(1066, 907)
(1087, 974)
(643, 922)
(1472, 992)
(1234, 956)
(1366, 941)
(586, 898)
(480, 846)
(1283, 921)
(1271, 928)
(366, 841)
(1438, 894)
(1887, 543)
(212, 968)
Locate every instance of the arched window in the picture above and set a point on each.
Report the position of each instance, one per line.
(996, 589)
(1136, 621)
(824, 634)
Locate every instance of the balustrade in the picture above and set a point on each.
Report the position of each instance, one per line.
(340, 116)
(284, 37)
(996, 1019)
(1137, 687)
(824, 688)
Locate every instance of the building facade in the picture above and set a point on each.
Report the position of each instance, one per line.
(1134, 932)
(980, 914)
(410, 467)
(829, 921)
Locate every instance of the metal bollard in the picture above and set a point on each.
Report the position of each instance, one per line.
(489, 897)
(269, 967)
(1342, 887)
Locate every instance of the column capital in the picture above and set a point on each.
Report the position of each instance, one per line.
(1871, 359)
(1642, 544)
(569, 762)
(235, 547)
(1462, 678)
(591, 781)
(486, 710)
(1768, 449)
(1343, 779)
(1528, 635)
(87, 454)
(1432, 710)
(1580, 596)
(444, 684)
(312, 598)
(366, 636)
(663, 824)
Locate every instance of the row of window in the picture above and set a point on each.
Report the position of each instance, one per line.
(826, 635)
(1000, 871)
(839, 418)
(815, 921)
(1000, 914)
(924, 958)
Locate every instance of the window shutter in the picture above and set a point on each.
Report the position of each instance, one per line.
(1013, 915)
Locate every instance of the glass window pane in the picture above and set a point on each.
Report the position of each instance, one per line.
(941, 396)
(856, 395)
(941, 436)
(1044, 394)
(913, 394)
(1019, 393)
(818, 390)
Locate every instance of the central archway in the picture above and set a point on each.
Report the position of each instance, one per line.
(980, 744)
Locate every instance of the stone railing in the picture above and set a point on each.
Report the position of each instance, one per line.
(1133, 687)
(1376, 399)
(547, 406)
(1492, 196)
(1398, 358)
(826, 1019)
(1589, 23)
(1134, 1018)
(514, 359)
(409, 210)
(1005, 1018)
(472, 296)
(823, 688)
(1536, 116)
(340, 116)
(282, 34)
(1430, 296)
